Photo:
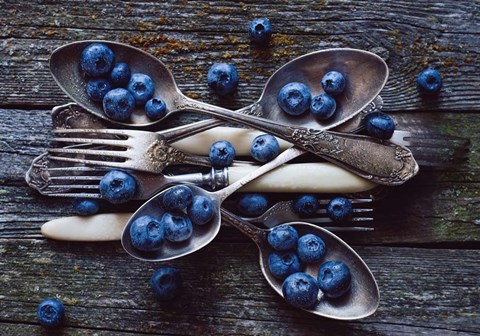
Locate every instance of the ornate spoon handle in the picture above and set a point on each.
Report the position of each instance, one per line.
(379, 161)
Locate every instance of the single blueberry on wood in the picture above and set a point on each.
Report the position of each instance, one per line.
(166, 283)
(50, 313)
(260, 31)
(222, 78)
(85, 206)
(429, 82)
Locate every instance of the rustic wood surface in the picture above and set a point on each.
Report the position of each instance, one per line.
(424, 252)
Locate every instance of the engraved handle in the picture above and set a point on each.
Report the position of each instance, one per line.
(379, 161)
(216, 178)
(259, 236)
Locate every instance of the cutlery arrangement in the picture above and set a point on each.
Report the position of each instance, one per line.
(87, 144)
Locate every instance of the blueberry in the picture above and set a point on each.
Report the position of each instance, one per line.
(85, 206)
(333, 83)
(222, 78)
(156, 108)
(177, 198)
(300, 290)
(429, 82)
(178, 227)
(118, 104)
(283, 238)
(141, 87)
(166, 283)
(97, 89)
(260, 31)
(294, 98)
(221, 154)
(340, 209)
(334, 278)
(310, 248)
(147, 233)
(379, 125)
(117, 187)
(201, 210)
(305, 205)
(323, 106)
(97, 60)
(50, 313)
(252, 204)
(283, 263)
(265, 148)
(120, 75)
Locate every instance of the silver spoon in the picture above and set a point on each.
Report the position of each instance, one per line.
(363, 298)
(366, 72)
(204, 234)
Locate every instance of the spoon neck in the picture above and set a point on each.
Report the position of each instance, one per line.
(286, 156)
(256, 234)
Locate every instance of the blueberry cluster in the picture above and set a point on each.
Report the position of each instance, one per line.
(182, 210)
(291, 253)
(116, 87)
(295, 98)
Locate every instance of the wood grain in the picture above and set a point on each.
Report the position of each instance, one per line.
(189, 39)
(427, 291)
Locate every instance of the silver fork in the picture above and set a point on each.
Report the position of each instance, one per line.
(124, 149)
(282, 212)
(52, 179)
(433, 150)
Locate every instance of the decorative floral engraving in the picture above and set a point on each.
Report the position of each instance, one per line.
(161, 155)
(38, 176)
(73, 116)
(316, 141)
(253, 110)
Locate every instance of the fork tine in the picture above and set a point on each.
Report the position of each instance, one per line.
(92, 131)
(92, 141)
(76, 178)
(89, 162)
(111, 153)
(76, 194)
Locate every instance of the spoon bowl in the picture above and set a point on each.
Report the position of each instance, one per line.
(360, 301)
(202, 234)
(366, 74)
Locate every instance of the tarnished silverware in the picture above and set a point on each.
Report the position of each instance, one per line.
(282, 212)
(363, 298)
(367, 73)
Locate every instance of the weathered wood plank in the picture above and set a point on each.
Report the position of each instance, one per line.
(424, 290)
(189, 37)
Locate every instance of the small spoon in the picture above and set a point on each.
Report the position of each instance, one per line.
(204, 234)
(366, 75)
(363, 298)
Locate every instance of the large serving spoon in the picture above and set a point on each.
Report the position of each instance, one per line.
(366, 75)
(204, 234)
(363, 298)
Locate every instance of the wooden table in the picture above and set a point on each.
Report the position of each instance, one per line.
(424, 252)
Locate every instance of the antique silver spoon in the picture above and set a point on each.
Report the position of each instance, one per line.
(363, 298)
(204, 234)
(366, 72)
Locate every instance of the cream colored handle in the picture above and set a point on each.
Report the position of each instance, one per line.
(302, 178)
(103, 227)
(240, 138)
